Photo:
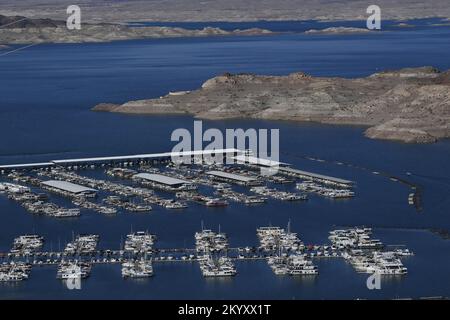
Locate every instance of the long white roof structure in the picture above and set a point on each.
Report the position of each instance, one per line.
(151, 156)
(27, 165)
(258, 161)
(229, 151)
(159, 178)
(231, 176)
(315, 175)
(68, 186)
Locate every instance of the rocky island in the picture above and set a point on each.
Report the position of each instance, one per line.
(339, 30)
(410, 105)
(20, 30)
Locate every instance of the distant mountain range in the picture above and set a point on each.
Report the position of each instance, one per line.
(22, 30)
(23, 22)
(225, 10)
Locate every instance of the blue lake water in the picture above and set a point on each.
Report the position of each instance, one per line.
(46, 93)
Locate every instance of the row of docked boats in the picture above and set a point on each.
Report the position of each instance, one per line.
(209, 241)
(278, 239)
(90, 205)
(126, 191)
(139, 268)
(202, 199)
(217, 267)
(354, 238)
(140, 242)
(277, 194)
(228, 193)
(289, 258)
(36, 203)
(365, 254)
(27, 244)
(73, 270)
(16, 271)
(126, 204)
(384, 263)
(294, 265)
(335, 193)
(82, 245)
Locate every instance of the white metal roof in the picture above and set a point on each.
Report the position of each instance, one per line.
(150, 156)
(68, 186)
(258, 161)
(159, 178)
(231, 176)
(316, 175)
(229, 151)
(27, 165)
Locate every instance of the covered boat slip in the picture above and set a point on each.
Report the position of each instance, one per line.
(239, 156)
(119, 159)
(161, 179)
(69, 187)
(315, 176)
(234, 178)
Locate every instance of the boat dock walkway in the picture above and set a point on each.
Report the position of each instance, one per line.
(44, 258)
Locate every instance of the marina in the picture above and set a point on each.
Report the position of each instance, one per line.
(282, 249)
(155, 180)
(142, 196)
(171, 186)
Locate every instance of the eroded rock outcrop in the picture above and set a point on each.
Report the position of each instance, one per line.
(410, 105)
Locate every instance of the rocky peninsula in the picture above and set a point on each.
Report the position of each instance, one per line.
(410, 105)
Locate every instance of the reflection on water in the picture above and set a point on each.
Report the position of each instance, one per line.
(305, 280)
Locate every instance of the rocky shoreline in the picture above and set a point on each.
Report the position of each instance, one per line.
(410, 105)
